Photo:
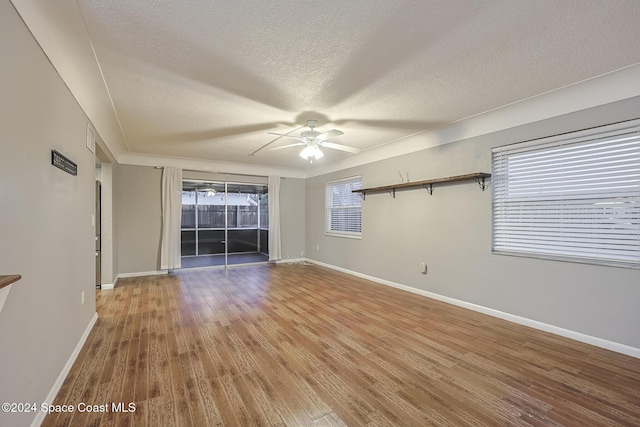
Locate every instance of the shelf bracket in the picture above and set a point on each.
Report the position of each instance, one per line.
(392, 191)
(481, 183)
(429, 188)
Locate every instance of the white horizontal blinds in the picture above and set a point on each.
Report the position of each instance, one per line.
(575, 196)
(344, 208)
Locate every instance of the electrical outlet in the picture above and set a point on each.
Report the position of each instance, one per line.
(317, 247)
(82, 297)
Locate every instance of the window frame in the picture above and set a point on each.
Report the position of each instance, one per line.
(600, 213)
(357, 180)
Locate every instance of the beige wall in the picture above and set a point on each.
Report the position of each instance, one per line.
(292, 217)
(46, 232)
(138, 217)
(108, 275)
(451, 232)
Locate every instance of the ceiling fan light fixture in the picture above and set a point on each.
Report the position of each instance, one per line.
(306, 152)
(311, 140)
(311, 153)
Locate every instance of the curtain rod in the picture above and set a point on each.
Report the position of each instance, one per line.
(220, 173)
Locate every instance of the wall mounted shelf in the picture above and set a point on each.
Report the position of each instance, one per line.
(427, 184)
(9, 279)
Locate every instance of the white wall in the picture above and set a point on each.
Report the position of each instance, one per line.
(46, 233)
(451, 232)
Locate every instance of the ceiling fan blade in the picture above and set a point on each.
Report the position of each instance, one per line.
(340, 147)
(274, 140)
(287, 146)
(288, 136)
(330, 134)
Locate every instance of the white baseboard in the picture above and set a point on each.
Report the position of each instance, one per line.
(292, 261)
(65, 371)
(578, 336)
(138, 274)
(107, 286)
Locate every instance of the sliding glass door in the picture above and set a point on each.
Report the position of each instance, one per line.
(224, 223)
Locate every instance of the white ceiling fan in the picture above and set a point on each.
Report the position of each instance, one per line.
(312, 140)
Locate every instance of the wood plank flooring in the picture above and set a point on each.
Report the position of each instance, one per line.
(296, 345)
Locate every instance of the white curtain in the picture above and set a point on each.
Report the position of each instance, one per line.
(275, 251)
(171, 218)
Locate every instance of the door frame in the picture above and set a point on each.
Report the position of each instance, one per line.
(226, 184)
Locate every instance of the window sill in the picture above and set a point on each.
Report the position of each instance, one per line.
(347, 236)
(574, 260)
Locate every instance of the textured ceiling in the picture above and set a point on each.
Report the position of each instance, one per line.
(208, 79)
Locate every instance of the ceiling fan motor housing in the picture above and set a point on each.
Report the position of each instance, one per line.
(309, 134)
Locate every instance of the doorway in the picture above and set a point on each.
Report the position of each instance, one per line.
(224, 223)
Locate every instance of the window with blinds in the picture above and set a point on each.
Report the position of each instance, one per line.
(343, 207)
(574, 197)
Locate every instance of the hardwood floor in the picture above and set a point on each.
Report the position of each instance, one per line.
(295, 345)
